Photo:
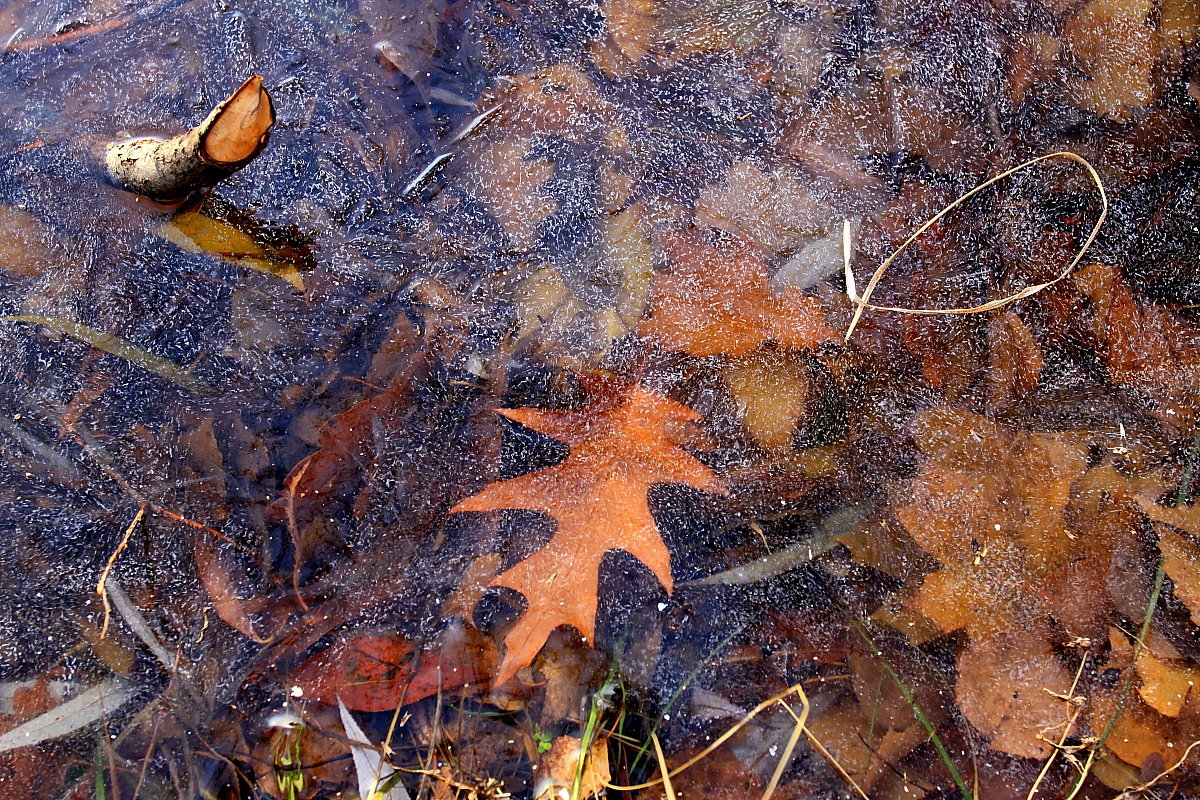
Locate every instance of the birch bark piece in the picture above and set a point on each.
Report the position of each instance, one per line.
(169, 169)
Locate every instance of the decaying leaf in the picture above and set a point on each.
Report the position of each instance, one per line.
(716, 299)
(1150, 348)
(621, 445)
(1179, 27)
(868, 753)
(574, 324)
(509, 162)
(406, 36)
(1166, 685)
(1117, 46)
(1140, 736)
(509, 183)
(325, 483)
(378, 672)
(568, 669)
(1010, 686)
(28, 248)
(651, 187)
(1033, 57)
(632, 25)
(990, 506)
(778, 211)
(197, 232)
(714, 25)
(670, 32)
(560, 764)
(1015, 360)
(1181, 562)
(770, 390)
(23, 767)
(560, 100)
(216, 574)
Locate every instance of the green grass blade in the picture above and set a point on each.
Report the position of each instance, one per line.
(918, 712)
(98, 771)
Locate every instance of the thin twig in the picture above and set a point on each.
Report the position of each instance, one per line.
(815, 742)
(785, 757)
(112, 559)
(137, 789)
(103, 462)
(112, 763)
(293, 531)
(391, 731)
(1184, 492)
(103, 26)
(1146, 786)
(435, 723)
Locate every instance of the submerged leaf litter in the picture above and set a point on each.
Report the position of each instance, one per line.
(493, 433)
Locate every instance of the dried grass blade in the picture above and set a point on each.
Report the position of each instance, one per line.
(120, 348)
(89, 707)
(797, 690)
(863, 303)
(664, 770)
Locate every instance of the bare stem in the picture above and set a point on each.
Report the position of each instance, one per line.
(169, 169)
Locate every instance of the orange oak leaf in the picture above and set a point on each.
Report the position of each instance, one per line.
(717, 299)
(621, 445)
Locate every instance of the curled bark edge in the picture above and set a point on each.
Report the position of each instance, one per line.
(170, 169)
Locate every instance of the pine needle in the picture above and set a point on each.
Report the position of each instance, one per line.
(918, 712)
